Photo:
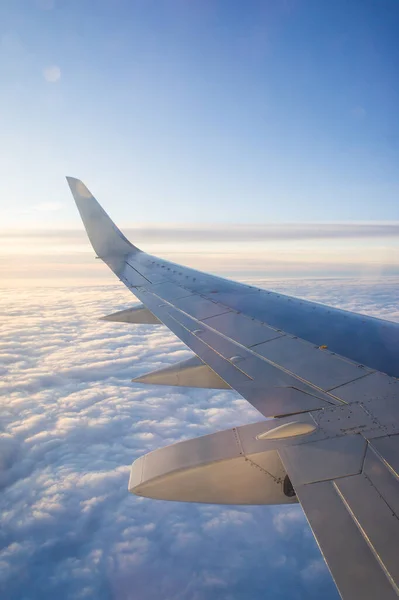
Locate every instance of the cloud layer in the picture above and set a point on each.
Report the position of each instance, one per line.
(226, 233)
(72, 423)
(65, 257)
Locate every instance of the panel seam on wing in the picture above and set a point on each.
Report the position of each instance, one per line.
(366, 537)
(262, 358)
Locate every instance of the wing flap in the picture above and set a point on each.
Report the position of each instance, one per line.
(353, 563)
(349, 496)
(324, 459)
(376, 521)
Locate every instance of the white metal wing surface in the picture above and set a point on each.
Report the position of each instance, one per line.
(329, 379)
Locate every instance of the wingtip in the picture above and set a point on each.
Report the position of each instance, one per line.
(78, 188)
(105, 237)
(71, 180)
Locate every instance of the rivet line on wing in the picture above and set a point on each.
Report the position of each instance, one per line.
(267, 360)
(258, 356)
(138, 272)
(213, 350)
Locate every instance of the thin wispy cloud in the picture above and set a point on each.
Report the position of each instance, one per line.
(64, 256)
(225, 233)
(15, 212)
(48, 206)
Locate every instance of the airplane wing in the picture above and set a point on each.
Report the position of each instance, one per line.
(326, 380)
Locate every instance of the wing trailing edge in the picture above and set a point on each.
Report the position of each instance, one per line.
(138, 315)
(187, 373)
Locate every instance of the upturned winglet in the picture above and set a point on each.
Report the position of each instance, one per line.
(106, 239)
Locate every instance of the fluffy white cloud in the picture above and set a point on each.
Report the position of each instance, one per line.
(72, 423)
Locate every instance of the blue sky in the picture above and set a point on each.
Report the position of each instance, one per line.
(173, 112)
(200, 111)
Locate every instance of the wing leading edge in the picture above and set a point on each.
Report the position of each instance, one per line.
(326, 375)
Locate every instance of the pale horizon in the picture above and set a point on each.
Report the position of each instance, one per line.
(64, 256)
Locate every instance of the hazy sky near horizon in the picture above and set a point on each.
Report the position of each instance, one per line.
(66, 258)
(201, 112)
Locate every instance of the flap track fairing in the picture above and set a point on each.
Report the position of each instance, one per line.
(139, 315)
(187, 373)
